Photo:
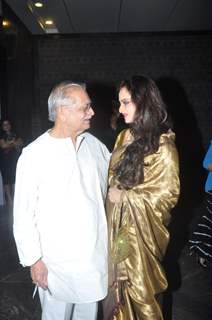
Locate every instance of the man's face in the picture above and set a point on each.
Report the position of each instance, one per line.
(78, 116)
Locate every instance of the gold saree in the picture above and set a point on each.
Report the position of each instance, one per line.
(137, 282)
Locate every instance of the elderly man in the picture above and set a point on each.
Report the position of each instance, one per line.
(59, 217)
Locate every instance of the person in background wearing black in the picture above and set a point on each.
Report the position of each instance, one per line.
(10, 146)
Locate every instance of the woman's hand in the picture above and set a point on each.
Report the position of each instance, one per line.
(114, 194)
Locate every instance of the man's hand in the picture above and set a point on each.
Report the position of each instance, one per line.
(39, 273)
(114, 194)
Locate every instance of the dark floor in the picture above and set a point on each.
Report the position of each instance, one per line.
(189, 299)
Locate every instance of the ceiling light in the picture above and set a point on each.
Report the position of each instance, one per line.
(38, 4)
(51, 30)
(49, 22)
(6, 23)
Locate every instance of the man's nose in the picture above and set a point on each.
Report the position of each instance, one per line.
(92, 112)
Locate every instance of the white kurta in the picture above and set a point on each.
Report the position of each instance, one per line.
(59, 214)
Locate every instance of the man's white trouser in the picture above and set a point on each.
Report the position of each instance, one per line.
(57, 310)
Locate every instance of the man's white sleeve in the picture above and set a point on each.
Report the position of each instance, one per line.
(25, 200)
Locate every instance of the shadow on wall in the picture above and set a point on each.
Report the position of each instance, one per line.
(192, 177)
(102, 97)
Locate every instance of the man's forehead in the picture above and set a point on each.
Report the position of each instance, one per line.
(78, 94)
(74, 90)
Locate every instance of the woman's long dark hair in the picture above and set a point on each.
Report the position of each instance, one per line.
(150, 122)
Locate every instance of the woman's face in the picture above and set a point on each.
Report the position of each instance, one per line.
(6, 126)
(127, 107)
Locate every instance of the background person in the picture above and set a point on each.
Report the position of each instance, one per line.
(201, 239)
(59, 217)
(143, 188)
(10, 145)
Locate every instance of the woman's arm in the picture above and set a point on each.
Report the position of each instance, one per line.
(18, 143)
(7, 144)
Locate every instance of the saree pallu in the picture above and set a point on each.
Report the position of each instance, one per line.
(136, 284)
(201, 239)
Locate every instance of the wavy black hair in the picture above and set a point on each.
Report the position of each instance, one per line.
(150, 122)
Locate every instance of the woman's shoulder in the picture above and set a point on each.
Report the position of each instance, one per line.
(124, 137)
(167, 147)
(167, 138)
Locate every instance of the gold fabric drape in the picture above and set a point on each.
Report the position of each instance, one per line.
(136, 283)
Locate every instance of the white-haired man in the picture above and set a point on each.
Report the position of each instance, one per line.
(59, 217)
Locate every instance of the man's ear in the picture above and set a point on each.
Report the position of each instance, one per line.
(61, 113)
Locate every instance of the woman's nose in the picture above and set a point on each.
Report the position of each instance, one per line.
(121, 108)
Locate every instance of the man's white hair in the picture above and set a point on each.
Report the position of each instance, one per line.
(59, 97)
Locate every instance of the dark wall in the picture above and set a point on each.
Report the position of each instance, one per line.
(18, 75)
(182, 63)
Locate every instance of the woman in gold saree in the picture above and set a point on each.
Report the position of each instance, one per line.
(143, 188)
